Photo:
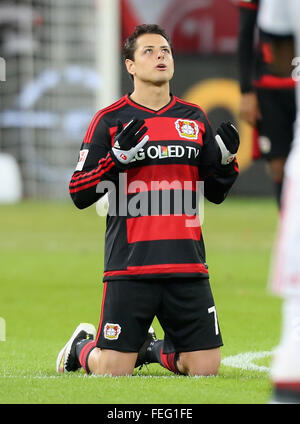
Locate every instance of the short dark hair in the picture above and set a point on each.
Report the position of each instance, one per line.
(130, 42)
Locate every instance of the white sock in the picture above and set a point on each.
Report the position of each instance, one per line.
(286, 361)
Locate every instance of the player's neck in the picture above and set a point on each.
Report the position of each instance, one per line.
(151, 96)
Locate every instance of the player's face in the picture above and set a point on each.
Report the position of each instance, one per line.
(153, 61)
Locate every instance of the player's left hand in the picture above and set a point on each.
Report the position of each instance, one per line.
(228, 141)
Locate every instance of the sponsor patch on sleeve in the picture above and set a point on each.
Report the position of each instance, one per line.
(82, 158)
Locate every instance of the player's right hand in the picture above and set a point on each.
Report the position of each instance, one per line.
(129, 140)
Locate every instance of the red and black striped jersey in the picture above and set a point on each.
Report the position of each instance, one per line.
(255, 54)
(145, 238)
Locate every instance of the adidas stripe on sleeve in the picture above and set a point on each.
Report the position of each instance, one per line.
(95, 162)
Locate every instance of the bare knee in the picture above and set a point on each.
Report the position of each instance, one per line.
(201, 362)
(111, 362)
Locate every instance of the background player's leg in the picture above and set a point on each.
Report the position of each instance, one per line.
(285, 369)
(276, 170)
(275, 130)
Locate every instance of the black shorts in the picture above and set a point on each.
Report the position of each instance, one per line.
(276, 129)
(185, 309)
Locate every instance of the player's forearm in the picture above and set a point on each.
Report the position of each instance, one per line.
(246, 52)
(83, 184)
(218, 184)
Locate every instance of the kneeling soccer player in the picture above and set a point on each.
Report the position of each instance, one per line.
(148, 144)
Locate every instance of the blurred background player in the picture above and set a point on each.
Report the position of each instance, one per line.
(154, 262)
(267, 95)
(281, 20)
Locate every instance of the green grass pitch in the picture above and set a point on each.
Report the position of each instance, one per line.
(51, 265)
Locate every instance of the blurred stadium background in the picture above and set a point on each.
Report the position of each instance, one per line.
(62, 64)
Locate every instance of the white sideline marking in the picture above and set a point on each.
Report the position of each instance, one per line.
(243, 361)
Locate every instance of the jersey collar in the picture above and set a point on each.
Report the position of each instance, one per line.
(157, 112)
